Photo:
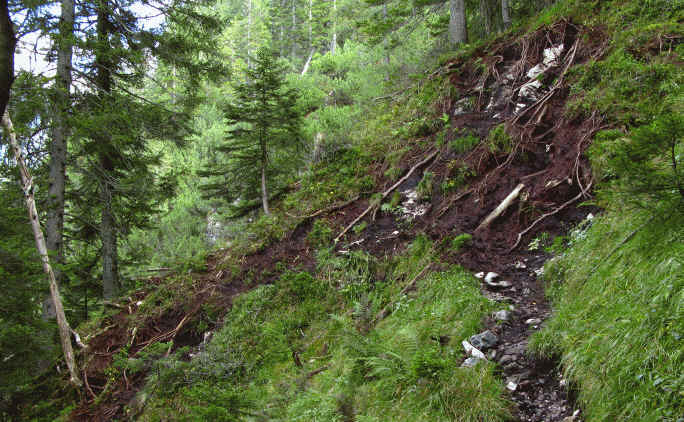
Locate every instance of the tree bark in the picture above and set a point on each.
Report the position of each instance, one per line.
(110, 273)
(7, 44)
(505, 14)
(249, 34)
(293, 32)
(58, 146)
(27, 186)
(264, 191)
(458, 30)
(486, 13)
(333, 43)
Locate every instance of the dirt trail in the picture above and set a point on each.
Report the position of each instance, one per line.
(516, 84)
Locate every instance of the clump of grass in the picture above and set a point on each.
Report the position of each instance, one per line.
(619, 321)
(424, 187)
(499, 141)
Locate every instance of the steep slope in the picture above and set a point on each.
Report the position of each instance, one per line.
(357, 309)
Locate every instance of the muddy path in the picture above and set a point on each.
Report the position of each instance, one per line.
(515, 87)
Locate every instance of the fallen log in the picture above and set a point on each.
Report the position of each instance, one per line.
(386, 193)
(503, 206)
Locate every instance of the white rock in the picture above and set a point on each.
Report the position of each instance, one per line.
(477, 354)
(467, 347)
(536, 71)
(511, 386)
(502, 315)
(491, 276)
(552, 55)
(138, 303)
(480, 275)
(503, 284)
(470, 362)
(533, 321)
(530, 91)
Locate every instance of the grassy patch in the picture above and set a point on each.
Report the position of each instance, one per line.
(619, 320)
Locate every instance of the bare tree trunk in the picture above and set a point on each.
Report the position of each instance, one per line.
(110, 272)
(249, 34)
(486, 13)
(458, 30)
(282, 29)
(27, 186)
(264, 190)
(386, 43)
(7, 44)
(58, 146)
(505, 14)
(308, 62)
(310, 24)
(293, 32)
(333, 43)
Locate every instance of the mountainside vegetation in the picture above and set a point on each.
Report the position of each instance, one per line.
(342, 210)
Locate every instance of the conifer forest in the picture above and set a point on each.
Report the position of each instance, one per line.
(342, 210)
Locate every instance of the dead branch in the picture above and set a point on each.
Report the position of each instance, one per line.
(501, 208)
(317, 371)
(325, 210)
(386, 310)
(384, 194)
(548, 214)
(452, 201)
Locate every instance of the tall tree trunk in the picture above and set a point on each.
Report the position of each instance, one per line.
(458, 30)
(110, 273)
(333, 42)
(310, 24)
(281, 40)
(486, 13)
(27, 186)
(58, 146)
(249, 34)
(7, 44)
(293, 33)
(386, 43)
(264, 190)
(505, 14)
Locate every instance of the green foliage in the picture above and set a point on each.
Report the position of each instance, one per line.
(25, 340)
(424, 188)
(460, 241)
(457, 178)
(647, 165)
(320, 234)
(464, 143)
(262, 139)
(619, 318)
(499, 141)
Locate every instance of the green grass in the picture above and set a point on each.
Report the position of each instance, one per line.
(619, 319)
(394, 370)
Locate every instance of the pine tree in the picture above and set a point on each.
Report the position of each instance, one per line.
(262, 142)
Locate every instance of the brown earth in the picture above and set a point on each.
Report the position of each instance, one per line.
(546, 154)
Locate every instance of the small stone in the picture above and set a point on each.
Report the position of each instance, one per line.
(480, 275)
(506, 359)
(485, 340)
(533, 321)
(470, 362)
(490, 277)
(520, 265)
(502, 315)
(472, 351)
(511, 386)
(503, 284)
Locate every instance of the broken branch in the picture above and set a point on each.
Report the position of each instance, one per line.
(501, 208)
(548, 214)
(384, 194)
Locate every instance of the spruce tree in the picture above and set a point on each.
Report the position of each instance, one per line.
(262, 139)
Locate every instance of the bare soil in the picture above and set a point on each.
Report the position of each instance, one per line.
(546, 154)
